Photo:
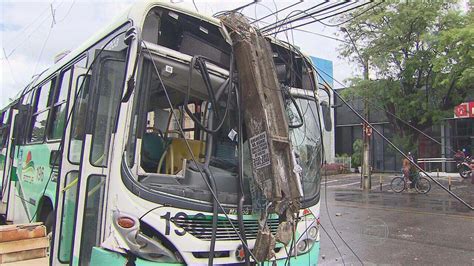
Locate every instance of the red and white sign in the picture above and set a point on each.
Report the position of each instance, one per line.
(464, 110)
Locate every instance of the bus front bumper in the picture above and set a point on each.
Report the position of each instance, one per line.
(102, 256)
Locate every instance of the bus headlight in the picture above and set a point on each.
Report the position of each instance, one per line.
(313, 233)
(302, 246)
(128, 227)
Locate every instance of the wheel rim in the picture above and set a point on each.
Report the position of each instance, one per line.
(423, 185)
(465, 173)
(398, 184)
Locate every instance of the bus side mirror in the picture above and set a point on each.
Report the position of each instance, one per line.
(326, 115)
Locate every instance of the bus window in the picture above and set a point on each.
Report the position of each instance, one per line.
(26, 100)
(58, 114)
(3, 130)
(92, 215)
(109, 93)
(164, 149)
(67, 220)
(40, 116)
(79, 118)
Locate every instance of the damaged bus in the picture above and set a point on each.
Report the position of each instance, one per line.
(135, 149)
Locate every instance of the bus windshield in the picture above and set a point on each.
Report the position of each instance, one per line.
(306, 141)
(174, 147)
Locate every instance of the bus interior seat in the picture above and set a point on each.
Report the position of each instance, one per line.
(153, 148)
(178, 151)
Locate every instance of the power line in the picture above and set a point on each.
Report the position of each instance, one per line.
(24, 41)
(316, 20)
(46, 40)
(316, 33)
(31, 23)
(388, 141)
(195, 6)
(9, 66)
(334, 243)
(67, 13)
(277, 11)
(325, 194)
(322, 35)
(393, 115)
(291, 15)
(354, 17)
(279, 25)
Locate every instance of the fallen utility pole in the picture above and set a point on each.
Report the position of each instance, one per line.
(267, 132)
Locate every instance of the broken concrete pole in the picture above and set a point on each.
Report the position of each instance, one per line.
(264, 245)
(267, 131)
(264, 114)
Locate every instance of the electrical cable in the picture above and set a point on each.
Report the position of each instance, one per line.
(24, 41)
(194, 159)
(330, 219)
(207, 171)
(313, 89)
(67, 13)
(395, 116)
(30, 24)
(195, 6)
(279, 25)
(210, 91)
(9, 67)
(391, 144)
(317, 20)
(325, 197)
(334, 243)
(276, 12)
(289, 16)
(235, 10)
(42, 49)
(241, 194)
(325, 187)
(322, 35)
(352, 18)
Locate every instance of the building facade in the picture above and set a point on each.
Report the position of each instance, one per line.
(453, 134)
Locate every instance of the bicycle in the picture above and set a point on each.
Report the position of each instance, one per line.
(422, 184)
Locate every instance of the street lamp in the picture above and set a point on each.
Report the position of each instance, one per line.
(366, 175)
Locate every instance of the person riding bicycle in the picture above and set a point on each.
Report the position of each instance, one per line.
(410, 172)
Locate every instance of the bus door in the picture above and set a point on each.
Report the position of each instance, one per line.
(67, 188)
(7, 155)
(103, 101)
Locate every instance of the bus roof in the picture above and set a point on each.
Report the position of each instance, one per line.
(136, 13)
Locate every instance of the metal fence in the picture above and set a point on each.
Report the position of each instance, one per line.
(345, 161)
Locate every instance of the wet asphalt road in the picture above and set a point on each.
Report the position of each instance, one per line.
(383, 227)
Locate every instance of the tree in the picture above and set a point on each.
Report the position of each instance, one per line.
(356, 158)
(421, 53)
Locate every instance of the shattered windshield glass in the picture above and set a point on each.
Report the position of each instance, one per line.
(306, 140)
(169, 143)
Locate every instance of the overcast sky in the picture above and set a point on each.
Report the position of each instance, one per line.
(30, 38)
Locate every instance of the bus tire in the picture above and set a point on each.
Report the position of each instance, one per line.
(48, 223)
(47, 214)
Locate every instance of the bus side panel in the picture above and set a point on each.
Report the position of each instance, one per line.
(33, 174)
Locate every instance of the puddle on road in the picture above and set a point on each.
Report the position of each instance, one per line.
(418, 201)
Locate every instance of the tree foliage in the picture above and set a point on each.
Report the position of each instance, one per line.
(421, 55)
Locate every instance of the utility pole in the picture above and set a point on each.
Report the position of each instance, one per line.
(366, 130)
